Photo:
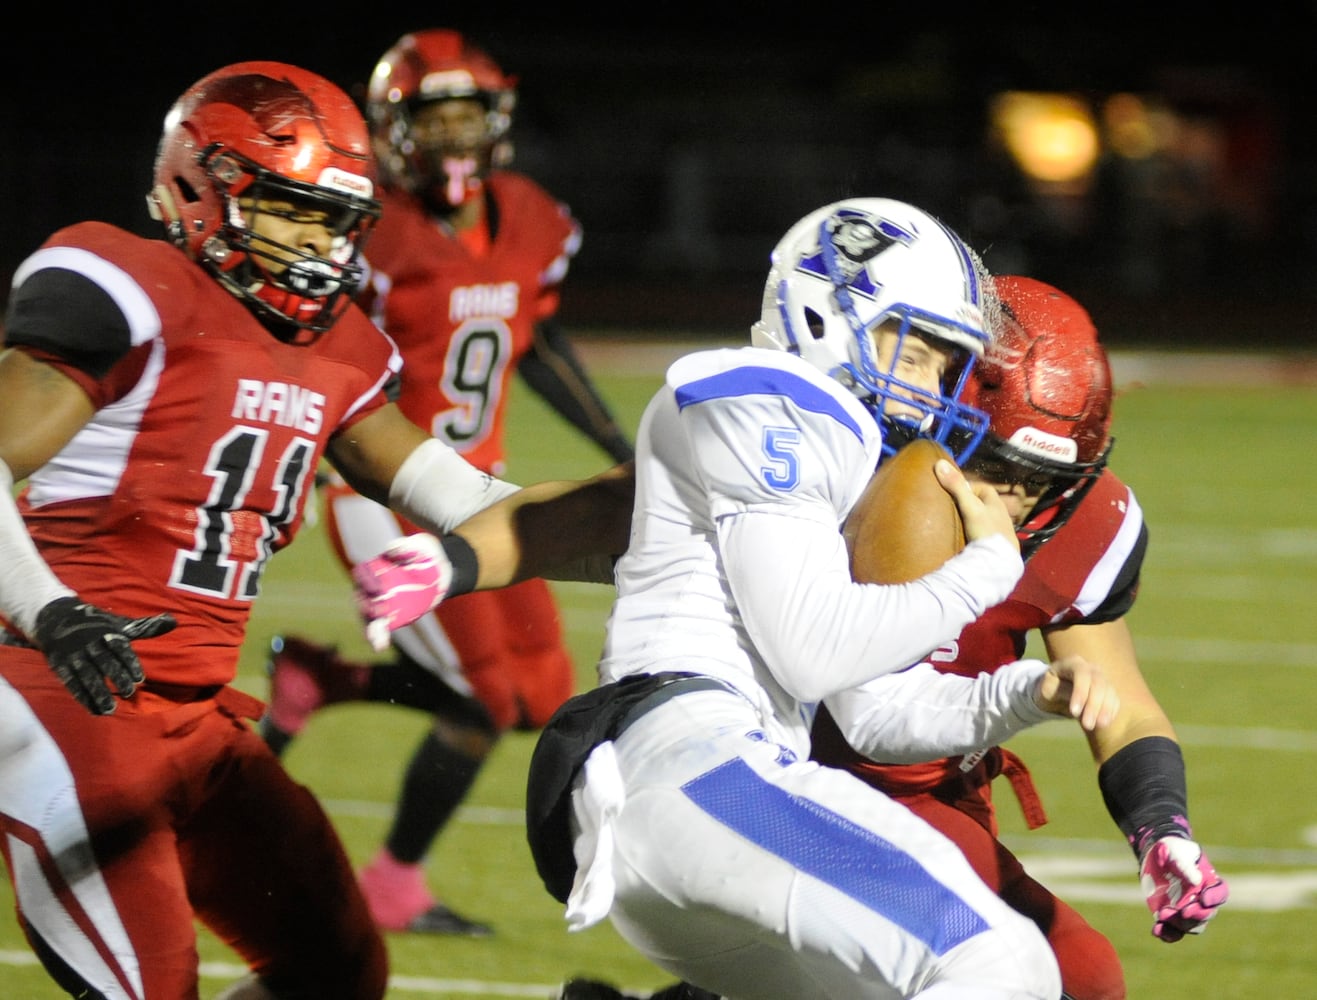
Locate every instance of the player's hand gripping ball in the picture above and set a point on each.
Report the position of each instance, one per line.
(905, 525)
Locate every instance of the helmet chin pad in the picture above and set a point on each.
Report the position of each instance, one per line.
(458, 180)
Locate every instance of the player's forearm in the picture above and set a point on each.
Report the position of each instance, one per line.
(555, 529)
(822, 633)
(529, 532)
(1145, 791)
(919, 714)
(27, 584)
(1110, 644)
(437, 489)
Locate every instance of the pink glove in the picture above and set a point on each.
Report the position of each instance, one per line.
(400, 585)
(1182, 887)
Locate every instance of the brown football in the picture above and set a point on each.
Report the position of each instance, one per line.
(905, 524)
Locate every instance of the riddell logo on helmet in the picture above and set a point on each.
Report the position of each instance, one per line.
(448, 83)
(1036, 442)
(341, 180)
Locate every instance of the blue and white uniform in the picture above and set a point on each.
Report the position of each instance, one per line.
(703, 831)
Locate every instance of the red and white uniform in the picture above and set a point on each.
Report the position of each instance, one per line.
(463, 310)
(190, 475)
(464, 317)
(1086, 573)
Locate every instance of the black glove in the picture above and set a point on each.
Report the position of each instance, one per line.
(87, 646)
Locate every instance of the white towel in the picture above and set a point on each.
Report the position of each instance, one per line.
(597, 800)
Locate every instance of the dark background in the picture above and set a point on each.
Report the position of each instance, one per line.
(688, 143)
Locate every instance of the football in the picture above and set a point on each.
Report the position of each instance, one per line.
(905, 524)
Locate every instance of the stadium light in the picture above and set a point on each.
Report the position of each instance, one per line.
(1052, 137)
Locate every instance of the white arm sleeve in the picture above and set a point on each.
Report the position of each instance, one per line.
(920, 714)
(26, 585)
(438, 489)
(774, 455)
(819, 631)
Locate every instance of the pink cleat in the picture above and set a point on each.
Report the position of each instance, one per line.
(399, 901)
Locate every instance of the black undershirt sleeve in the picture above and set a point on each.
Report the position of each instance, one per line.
(67, 314)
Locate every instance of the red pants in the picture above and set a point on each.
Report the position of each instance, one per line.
(511, 649)
(1090, 968)
(120, 829)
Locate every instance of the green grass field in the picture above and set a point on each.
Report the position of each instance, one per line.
(1226, 626)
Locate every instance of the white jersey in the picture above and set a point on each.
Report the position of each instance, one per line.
(699, 828)
(748, 462)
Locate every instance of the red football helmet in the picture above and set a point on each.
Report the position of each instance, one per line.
(1045, 384)
(429, 66)
(268, 131)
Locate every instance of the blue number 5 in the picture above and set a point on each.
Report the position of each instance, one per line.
(780, 446)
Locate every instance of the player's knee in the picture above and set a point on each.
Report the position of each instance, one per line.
(472, 738)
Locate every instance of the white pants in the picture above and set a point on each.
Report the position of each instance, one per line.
(732, 864)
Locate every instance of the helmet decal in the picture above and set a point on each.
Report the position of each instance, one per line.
(1034, 441)
(274, 104)
(443, 83)
(848, 241)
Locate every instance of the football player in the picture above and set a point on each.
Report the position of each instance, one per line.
(1046, 387)
(167, 403)
(465, 268)
(677, 800)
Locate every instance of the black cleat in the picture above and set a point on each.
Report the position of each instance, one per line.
(589, 989)
(439, 919)
(683, 991)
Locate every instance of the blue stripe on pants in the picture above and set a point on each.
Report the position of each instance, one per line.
(834, 850)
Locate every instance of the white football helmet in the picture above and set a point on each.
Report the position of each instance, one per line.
(846, 268)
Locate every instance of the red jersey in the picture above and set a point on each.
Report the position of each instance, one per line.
(195, 467)
(1087, 572)
(464, 320)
